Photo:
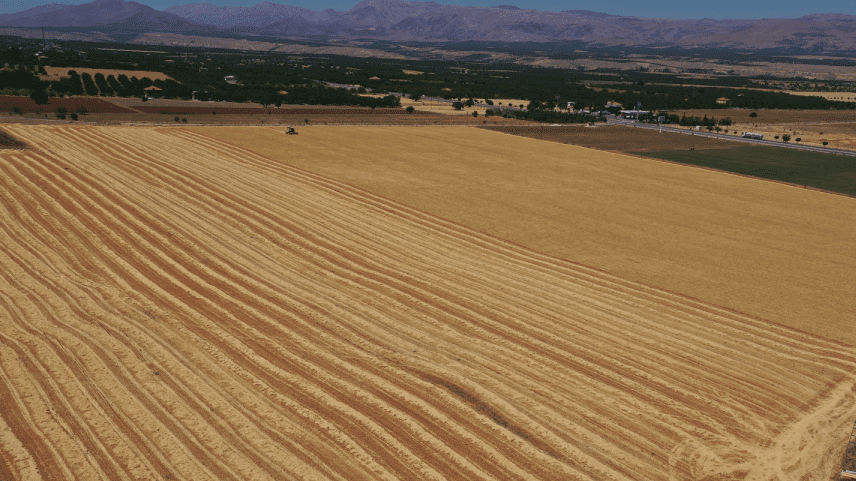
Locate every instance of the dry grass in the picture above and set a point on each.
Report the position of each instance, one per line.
(838, 96)
(838, 135)
(838, 127)
(769, 250)
(768, 116)
(444, 108)
(174, 307)
(55, 73)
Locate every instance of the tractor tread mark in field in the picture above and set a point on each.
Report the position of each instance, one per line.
(176, 306)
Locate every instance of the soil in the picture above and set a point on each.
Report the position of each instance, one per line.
(175, 306)
(269, 111)
(92, 104)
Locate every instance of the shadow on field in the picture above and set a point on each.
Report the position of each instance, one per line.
(483, 408)
(9, 142)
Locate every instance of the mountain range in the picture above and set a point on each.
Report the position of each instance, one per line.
(429, 21)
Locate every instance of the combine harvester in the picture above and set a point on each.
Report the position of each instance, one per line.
(848, 461)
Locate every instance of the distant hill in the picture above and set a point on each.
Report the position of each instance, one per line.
(428, 21)
(107, 14)
(261, 15)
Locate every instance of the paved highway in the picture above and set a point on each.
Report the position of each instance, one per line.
(733, 138)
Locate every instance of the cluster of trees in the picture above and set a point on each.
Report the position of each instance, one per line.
(691, 121)
(24, 80)
(21, 80)
(547, 116)
(262, 76)
(318, 95)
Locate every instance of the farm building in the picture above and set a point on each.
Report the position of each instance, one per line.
(152, 91)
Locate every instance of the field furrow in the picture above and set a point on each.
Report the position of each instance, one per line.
(172, 305)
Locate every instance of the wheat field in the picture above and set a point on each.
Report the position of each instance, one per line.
(772, 251)
(175, 307)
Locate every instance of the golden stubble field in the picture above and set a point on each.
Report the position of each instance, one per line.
(175, 307)
(769, 250)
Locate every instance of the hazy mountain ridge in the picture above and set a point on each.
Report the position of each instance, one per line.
(118, 14)
(430, 21)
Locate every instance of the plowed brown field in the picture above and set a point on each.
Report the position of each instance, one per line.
(174, 307)
(271, 111)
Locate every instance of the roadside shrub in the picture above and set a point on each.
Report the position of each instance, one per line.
(176, 118)
(409, 109)
(73, 116)
(82, 110)
(475, 114)
(306, 120)
(786, 137)
(798, 139)
(753, 115)
(825, 143)
(17, 110)
(776, 137)
(184, 120)
(457, 105)
(61, 112)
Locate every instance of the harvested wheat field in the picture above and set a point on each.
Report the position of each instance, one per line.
(174, 307)
(773, 251)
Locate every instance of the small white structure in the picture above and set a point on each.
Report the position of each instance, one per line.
(634, 114)
(230, 79)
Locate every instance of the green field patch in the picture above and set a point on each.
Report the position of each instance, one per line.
(834, 173)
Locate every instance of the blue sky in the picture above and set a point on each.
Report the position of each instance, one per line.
(660, 9)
